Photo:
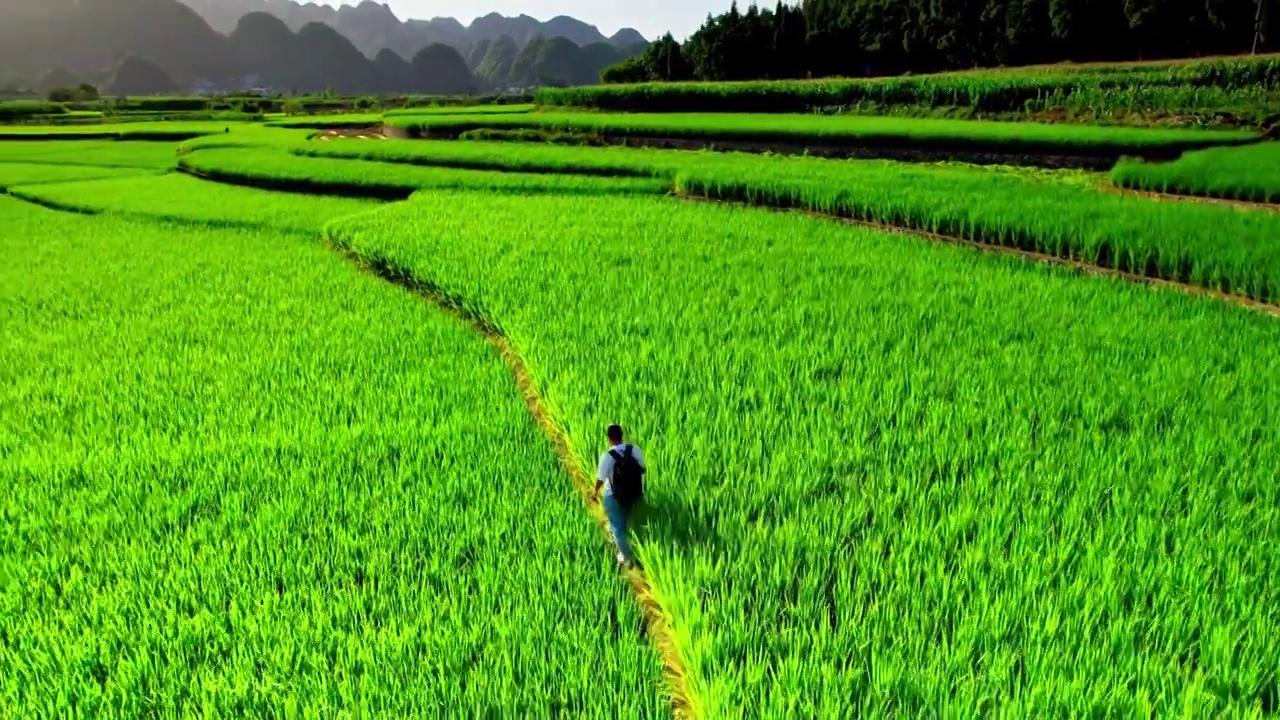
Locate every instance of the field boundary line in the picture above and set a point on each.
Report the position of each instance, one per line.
(1198, 199)
(657, 620)
(1029, 255)
(16, 193)
(299, 187)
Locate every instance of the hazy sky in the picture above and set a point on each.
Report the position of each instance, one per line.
(651, 17)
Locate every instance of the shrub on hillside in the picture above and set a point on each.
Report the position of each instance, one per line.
(83, 93)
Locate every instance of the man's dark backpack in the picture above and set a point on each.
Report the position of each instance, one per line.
(628, 477)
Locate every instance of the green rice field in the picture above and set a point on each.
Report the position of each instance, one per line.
(271, 167)
(1250, 173)
(289, 427)
(20, 173)
(1210, 246)
(226, 492)
(514, 109)
(842, 131)
(1177, 92)
(140, 131)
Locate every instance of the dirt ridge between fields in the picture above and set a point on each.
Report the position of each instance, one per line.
(1030, 255)
(1198, 199)
(300, 187)
(657, 621)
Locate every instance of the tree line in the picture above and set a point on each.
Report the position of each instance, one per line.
(822, 38)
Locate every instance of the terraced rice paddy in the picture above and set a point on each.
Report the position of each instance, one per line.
(1251, 174)
(158, 131)
(1212, 247)
(18, 173)
(842, 501)
(1176, 89)
(95, 153)
(515, 109)
(238, 481)
(273, 168)
(872, 132)
(890, 476)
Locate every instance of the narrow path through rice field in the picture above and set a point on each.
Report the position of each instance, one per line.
(657, 621)
(1031, 255)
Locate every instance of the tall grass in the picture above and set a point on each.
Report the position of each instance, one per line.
(1210, 246)
(896, 478)
(322, 122)
(517, 109)
(21, 109)
(512, 157)
(100, 153)
(242, 478)
(1250, 173)
(14, 174)
(181, 198)
(157, 130)
(1215, 247)
(277, 169)
(1183, 88)
(877, 132)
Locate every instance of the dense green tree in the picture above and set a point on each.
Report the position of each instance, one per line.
(631, 70)
(83, 92)
(664, 60)
(878, 37)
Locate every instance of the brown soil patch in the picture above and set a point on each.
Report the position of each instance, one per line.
(657, 621)
(395, 132)
(372, 133)
(1250, 303)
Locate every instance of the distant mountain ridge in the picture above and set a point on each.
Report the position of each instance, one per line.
(373, 27)
(162, 46)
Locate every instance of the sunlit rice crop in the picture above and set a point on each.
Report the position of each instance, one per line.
(187, 199)
(1248, 173)
(243, 478)
(879, 132)
(893, 477)
(279, 169)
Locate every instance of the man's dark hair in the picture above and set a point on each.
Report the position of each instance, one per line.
(615, 433)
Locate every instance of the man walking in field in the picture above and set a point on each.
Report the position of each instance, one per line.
(621, 475)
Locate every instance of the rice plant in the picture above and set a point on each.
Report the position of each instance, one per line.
(895, 478)
(279, 169)
(13, 174)
(880, 132)
(100, 153)
(1054, 213)
(1175, 88)
(1250, 173)
(243, 478)
(182, 198)
(1214, 247)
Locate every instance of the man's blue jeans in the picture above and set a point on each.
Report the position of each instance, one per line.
(617, 524)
